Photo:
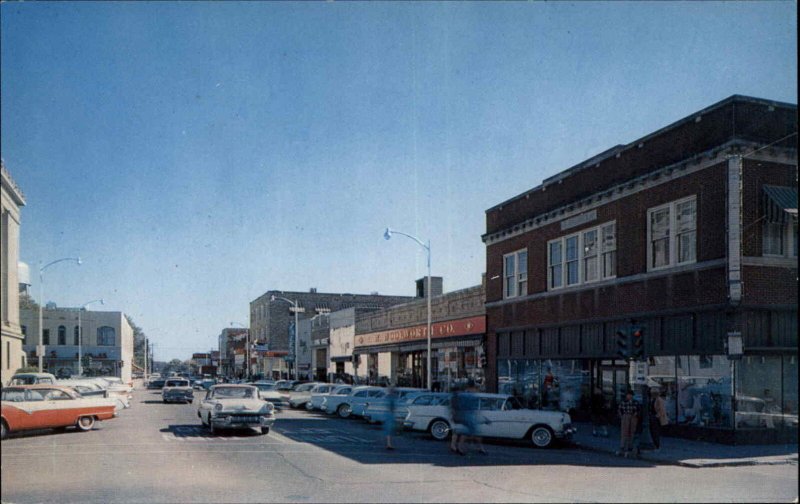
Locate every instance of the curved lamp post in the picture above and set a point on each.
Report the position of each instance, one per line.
(296, 331)
(40, 348)
(80, 333)
(387, 235)
(247, 348)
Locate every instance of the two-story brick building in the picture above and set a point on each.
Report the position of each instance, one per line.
(689, 233)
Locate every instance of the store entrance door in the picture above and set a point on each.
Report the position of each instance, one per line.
(611, 377)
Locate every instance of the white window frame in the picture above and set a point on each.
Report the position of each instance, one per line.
(673, 237)
(787, 245)
(597, 256)
(518, 278)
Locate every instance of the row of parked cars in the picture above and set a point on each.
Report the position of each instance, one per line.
(498, 415)
(41, 401)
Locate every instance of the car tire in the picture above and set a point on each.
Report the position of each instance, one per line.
(542, 436)
(344, 411)
(85, 423)
(3, 429)
(165, 401)
(439, 429)
(211, 427)
(264, 430)
(308, 406)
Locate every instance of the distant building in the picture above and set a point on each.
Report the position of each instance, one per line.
(11, 352)
(232, 343)
(106, 345)
(272, 320)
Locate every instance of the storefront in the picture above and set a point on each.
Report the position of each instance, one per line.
(457, 349)
(710, 397)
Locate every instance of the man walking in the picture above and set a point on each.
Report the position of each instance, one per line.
(629, 411)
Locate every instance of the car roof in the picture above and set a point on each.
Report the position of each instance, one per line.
(48, 375)
(233, 385)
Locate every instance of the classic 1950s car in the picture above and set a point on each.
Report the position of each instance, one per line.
(236, 407)
(496, 415)
(29, 407)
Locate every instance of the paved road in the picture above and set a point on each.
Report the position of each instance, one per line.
(159, 453)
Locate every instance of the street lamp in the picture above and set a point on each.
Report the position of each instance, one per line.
(40, 347)
(387, 235)
(80, 333)
(247, 348)
(296, 331)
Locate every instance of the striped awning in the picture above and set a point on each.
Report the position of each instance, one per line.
(780, 203)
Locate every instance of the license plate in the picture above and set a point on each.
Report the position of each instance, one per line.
(245, 419)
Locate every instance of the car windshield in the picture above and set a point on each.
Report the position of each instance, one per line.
(233, 392)
(23, 380)
(177, 383)
(265, 386)
(305, 387)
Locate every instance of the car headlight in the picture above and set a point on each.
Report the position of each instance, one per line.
(267, 408)
(218, 407)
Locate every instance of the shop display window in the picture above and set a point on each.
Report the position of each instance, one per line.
(662, 375)
(790, 391)
(759, 392)
(704, 390)
(521, 378)
(566, 384)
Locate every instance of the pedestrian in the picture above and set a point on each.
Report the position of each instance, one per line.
(457, 427)
(629, 411)
(389, 419)
(658, 416)
(598, 414)
(471, 416)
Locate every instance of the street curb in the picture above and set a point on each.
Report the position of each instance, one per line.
(790, 459)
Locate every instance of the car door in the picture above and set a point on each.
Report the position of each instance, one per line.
(36, 407)
(491, 419)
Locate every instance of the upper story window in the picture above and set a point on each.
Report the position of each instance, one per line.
(780, 239)
(105, 336)
(75, 335)
(515, 274)
(62, 335)
(45, 336)
(672, 234)
(582, 257)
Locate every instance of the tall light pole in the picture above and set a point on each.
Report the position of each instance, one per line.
(247, 348)
(40, 347)
(80, 333)
(296, 331)
(387, 235)
(146, 344)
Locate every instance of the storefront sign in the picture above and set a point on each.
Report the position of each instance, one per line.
(460, 327)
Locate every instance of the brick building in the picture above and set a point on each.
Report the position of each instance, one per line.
(272, 321)
(689, 233)
(390, 345)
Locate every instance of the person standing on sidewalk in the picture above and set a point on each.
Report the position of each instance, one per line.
(629, 411)
(388, 419)
(599, 414)
(658, 416)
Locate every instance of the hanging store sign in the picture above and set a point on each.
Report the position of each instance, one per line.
(460, 327)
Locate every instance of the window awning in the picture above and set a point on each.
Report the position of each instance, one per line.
(417, 346)
(780, 203)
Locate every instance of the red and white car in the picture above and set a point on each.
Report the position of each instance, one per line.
(29, 407)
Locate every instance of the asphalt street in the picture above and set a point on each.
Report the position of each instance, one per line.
(156, 452)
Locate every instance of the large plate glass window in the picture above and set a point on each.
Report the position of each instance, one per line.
(515, 274)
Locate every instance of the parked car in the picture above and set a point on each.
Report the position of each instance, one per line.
(235, 407)
(90, 388)
(270, 393)
(301, 394)
(156, 384)
(51, 406)
(353, 403)
(286, 384)
(32, 379)
(376, 408)
(177, 390)
(318, 398)
(498, 415)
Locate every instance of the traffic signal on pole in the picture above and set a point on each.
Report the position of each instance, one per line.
(623, 346)
(637, 343)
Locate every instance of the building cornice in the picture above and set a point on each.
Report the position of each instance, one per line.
(694, 164)
(13, 189)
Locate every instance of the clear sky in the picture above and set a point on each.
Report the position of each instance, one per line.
(198, 154)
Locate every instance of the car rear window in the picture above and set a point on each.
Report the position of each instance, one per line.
(177, 383)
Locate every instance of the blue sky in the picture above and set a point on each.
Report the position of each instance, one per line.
(196, 155)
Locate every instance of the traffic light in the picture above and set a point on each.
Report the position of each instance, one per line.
(637, 343)
(623, 346)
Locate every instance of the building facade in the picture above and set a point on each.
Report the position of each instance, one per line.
(272, 318)
(11, 339)
(390, 345)
(689, 233)
(106, 344)
(232, 343)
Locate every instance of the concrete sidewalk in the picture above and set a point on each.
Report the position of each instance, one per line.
(688, 453)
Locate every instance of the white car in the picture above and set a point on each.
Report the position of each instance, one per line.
(497, 415)
(177, 390)
(89, 388)
(376, 408)
(301, 394)
(318, 398)
(269, 393)
(353, 403)
(228, 406)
